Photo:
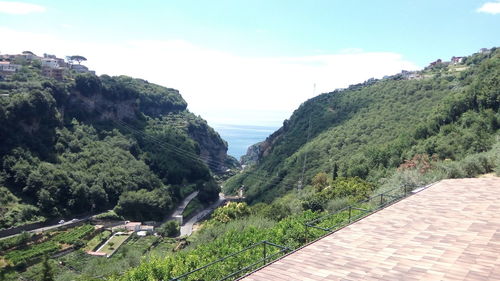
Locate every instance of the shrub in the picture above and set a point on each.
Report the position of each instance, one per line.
(169, 229)
(336, 204)
(15, 241)
(231, 211)
(276, 211)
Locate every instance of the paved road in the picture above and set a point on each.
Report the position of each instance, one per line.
(51, 227)
(182, 206)
(187, 227)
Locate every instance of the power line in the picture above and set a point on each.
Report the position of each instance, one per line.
(256, 177)
(181, 152)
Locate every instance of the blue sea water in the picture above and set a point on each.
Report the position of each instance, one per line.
(240, 137)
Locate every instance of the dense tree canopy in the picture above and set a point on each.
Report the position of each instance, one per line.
(369, 129)
(93, 143)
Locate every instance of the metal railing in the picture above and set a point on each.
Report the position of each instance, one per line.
(356, 211)
(267, 256)
(340, 218)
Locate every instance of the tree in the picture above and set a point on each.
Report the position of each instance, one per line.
(320, 181)
(47, 274)
(231, 211)
(208, 191)
(335, 172)
(169, 229)
(144, 205)
(277, 211)
(78, 58)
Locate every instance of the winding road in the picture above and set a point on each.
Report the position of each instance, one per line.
(182, 206)
(187, 227)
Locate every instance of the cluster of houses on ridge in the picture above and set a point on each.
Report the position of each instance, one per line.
(417, 74)
(50, 65)
(410, 75)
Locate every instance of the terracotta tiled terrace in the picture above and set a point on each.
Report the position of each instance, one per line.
(449, 231)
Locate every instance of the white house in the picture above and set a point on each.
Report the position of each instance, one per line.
(457, 60)
(50, 63)
(8, 67)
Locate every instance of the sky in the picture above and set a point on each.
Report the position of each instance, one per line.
(251, 62)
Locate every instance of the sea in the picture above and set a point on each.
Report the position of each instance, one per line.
(240, 137)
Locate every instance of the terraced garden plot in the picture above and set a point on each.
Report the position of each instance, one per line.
(113, 243)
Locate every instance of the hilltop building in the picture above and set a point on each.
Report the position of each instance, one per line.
(7, 68)
(457, 60)
(484, 51)
(51, 66)
(435, 63)
(410, 75)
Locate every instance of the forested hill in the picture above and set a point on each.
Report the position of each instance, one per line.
(91, 143)
(445, 112)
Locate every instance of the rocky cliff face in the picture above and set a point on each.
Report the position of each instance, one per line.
(100, 107)
(252, 156)
(213, 149)
(97, 102)
(261, 149)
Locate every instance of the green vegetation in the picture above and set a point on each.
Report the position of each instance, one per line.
(80, 266)
(368, 138)
(97, 240)
(235, 226)
(193, 206)
(230, 212)
(25, 253)
(370, 129)
(15, 241)
(144, 205)
(75, 235)
(47, 274)
(92, 143)
(22, 256)
(327, 189)
(169, 229)
(114, 243)
(109, 215)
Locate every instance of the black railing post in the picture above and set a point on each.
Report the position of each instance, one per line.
(265, 254)
(307, 234)
(350, 214)
(381, 199)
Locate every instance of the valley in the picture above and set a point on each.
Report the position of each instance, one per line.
(128, 155)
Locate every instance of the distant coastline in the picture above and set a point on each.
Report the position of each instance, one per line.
(240, 137)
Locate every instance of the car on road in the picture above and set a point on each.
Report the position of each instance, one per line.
(61, 222)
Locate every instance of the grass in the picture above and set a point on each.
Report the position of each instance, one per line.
(94, 242)
(117, 241)
(163, 248)
(141, 244)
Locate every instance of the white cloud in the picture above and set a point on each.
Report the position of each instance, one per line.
(20, 8)
(221, 87)
(490, 8)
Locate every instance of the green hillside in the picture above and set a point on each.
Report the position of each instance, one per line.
(89, 143)
(368, 130)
